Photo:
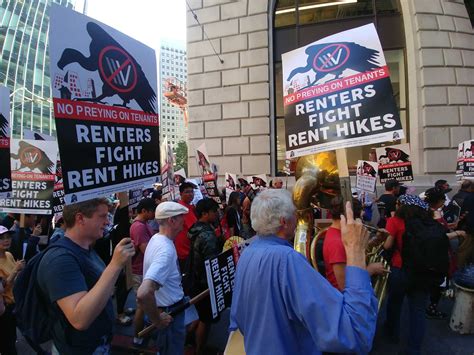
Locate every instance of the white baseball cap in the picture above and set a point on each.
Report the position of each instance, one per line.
(5, 230)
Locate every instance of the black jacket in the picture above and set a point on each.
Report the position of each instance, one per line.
(204, 245)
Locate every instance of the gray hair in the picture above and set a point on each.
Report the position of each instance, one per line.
(267, 209)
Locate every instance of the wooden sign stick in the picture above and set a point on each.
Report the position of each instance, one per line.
(176, 311)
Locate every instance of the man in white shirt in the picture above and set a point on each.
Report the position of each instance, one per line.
(161, 290)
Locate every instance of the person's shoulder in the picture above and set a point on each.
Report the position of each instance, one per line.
(159, 242)
(9, 256)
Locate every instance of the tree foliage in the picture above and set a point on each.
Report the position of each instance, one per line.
(181, 153)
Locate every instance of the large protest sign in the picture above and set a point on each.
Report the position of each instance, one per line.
(167, 178)
(5, 171)
(105, 106)
(468, 160)
(394, 163)
(209, 176)
(366, 178)
(33, 165)
(337, 94)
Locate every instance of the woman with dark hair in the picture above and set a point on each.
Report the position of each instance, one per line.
(413, 218)
(436, 199)
(232, 214)
(334, 253)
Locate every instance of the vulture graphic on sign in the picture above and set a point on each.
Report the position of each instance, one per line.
(368, 170)
(33, 158)
(120, 73)
(334, 58)
(394, 155)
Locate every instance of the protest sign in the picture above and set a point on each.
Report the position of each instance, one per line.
(337, 94)
(394, 163)
(366, 177)
(58, 191)
(134, 196)
(209, 176)
(104, 87)
(460, 162)
(468, 165)
(5, 171)
(230, 182)
(33, 165)
(220, 273)
(167, 178)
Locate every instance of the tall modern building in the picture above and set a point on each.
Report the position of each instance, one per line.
(173, 79)
(24, 62)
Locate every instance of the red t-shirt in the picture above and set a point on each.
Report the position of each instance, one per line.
(140, 233)
(333, 253)
(396, 227)
(182, 242)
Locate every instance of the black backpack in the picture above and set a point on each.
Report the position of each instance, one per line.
(425, 252)
(33, 317)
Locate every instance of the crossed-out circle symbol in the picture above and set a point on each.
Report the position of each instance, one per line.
(324, 60)
(395, 154)
(122, 61)
(30, 157)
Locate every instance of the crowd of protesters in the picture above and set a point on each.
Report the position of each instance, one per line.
(166, 244)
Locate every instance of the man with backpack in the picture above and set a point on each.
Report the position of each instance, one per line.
(74, 284)
(204, 245)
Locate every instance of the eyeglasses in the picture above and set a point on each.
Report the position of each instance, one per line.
(5, 236)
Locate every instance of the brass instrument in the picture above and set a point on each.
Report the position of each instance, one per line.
(374, 254)
(317, 182)
(316, 179)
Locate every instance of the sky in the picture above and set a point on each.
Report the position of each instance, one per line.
(148, 21)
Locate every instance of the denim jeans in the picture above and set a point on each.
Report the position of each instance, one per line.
(170, 341)
(397, 284)
(417, 300)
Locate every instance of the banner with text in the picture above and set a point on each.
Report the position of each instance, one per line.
(104, 86)
(394, 163)
(33, 166)
(220, 272)
(366, 178)
(5, 170)
(337, 94)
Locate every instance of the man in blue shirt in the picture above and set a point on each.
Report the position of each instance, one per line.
(281, 305)
(78, 285)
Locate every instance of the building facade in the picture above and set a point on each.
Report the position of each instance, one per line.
(235, 105)
(173, 79)
(24, 63)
